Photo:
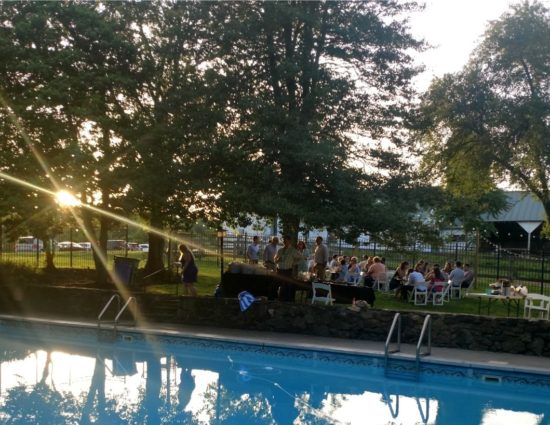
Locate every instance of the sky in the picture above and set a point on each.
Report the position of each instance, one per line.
(454, 28)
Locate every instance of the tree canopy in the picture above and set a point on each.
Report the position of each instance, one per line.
(490, 122)
(176, 111)
(304, 78)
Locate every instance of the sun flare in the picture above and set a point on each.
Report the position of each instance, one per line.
(65, 199)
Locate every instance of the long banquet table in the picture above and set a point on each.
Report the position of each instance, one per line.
(267, 283)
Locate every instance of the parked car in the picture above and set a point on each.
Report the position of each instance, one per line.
(28, 244)
(86, 245)
(133, 246)
(144, 247)
(66, 246)
(116, 245)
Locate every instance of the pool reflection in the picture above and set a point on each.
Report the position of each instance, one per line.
(97, 383)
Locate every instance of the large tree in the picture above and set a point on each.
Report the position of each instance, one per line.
(172, 114)
(490, 122)
(65, 67)
(306, 80)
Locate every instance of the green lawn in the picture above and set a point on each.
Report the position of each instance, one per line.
(209, 277)
(465, 305)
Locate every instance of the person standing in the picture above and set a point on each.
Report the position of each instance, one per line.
(304, 253)
(287, 259)
(270, 252)
(321, 258)
(253, 251)
(189, 270)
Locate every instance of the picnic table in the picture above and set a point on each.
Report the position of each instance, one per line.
(507, 299)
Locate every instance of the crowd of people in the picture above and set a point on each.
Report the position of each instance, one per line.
(297, 261)
(430, 277)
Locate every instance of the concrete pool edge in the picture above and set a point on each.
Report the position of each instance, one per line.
(502, 362)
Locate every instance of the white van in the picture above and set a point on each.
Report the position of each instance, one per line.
(28, 244)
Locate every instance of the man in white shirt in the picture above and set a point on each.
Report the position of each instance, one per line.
(253, 251)
(457, 275)
(270, 252)
(415, 278)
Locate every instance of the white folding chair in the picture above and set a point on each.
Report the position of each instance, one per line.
(536, 303)
(464, 291)
(321, 293)
(420, 293)
(455, 290)
(381, 283)
(439, 297)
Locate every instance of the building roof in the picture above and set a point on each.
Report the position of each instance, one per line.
(523, 207)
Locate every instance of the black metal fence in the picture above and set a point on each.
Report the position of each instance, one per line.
(489, 262)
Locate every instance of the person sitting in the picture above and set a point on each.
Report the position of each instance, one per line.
(447, 269)
(400, 276)
(436, 278)
(368, 264)
(376, 271)
(421, 267)
(468, 276)
(354, 271)
(343, 271)
(457, 275)
(414, 277)
(363, 263)
(334, 267)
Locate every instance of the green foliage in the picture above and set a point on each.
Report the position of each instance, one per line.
(175, 111)
(298, 75)
(489, 123)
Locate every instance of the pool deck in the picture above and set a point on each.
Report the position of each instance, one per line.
(443, 356)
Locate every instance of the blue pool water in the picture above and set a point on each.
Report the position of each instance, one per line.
(53, 374)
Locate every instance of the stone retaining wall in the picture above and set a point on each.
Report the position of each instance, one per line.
(472, 332)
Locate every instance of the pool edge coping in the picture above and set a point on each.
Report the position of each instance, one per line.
(291, 341)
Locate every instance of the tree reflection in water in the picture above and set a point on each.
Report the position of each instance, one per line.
(235, 398)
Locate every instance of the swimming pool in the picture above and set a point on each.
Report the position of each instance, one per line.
(67, 375)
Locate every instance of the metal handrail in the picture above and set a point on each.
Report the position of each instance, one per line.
(396, 321)
(427, 325)
(124, 308)
(117, 297)
(119, 311)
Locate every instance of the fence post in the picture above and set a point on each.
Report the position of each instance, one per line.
(498, 262)
(456, 251)
(476, 266)
(71, 247)
(217, 250)
(1, 241)
(542, 274)
(126, 244)
(245, 248)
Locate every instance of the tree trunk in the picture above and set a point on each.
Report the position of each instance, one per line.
(101, 268)
(49, 253)
(155, 256)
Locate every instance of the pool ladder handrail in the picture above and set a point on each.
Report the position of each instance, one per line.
(119, 310)
(387, 352)
(427, 326)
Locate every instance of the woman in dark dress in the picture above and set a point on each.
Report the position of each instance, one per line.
(189, 270)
